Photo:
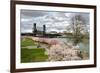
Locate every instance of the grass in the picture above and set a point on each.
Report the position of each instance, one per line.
(27, 42)
(32, 55)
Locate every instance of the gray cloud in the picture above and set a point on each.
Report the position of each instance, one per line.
(52, 20)
(32, 13)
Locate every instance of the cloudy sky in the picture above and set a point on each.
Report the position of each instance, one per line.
(57, 21)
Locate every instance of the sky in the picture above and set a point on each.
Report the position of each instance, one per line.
(54, 21)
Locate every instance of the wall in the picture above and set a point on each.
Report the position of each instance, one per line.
(5, 36)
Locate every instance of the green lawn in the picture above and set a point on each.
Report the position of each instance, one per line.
(32, 55)
(27, 42)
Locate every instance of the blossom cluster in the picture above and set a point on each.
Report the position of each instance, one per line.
(60, 51)
(63, 52)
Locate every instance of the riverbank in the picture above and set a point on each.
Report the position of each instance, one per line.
(55, 49)
(58, 50)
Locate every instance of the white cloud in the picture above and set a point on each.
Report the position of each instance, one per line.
(68, 14)
(53, 20)
(26, 20)
(26, 30)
